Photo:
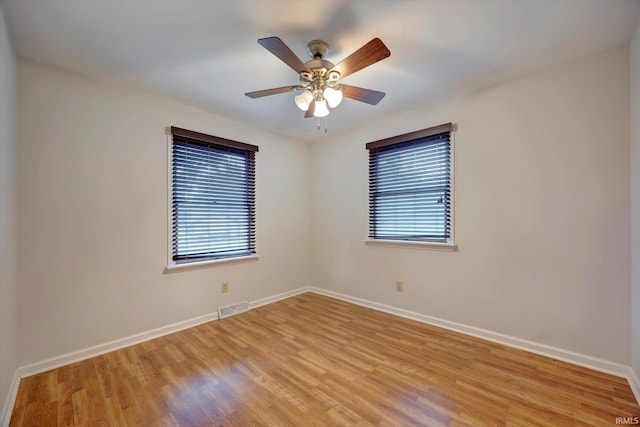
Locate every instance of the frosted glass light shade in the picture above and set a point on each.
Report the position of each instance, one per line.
(303, 100)
(333, 96)
(321, 109)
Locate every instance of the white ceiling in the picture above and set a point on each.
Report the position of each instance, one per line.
(205, 53)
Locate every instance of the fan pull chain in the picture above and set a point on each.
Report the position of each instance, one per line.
(326, 128)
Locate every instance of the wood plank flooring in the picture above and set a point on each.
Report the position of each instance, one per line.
(315, 361)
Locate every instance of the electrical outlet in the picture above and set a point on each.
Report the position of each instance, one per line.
(225, 287)
(399, 286)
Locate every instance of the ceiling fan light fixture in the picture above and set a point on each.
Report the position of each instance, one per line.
(321, 109)
(303, 100)
(333, 96)
(319, 78)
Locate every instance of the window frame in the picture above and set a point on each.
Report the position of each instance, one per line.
(203, 138)
(450, 243)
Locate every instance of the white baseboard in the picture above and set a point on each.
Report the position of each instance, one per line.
(268, 300)
(76, 356)
(533, 347)
(634, 383)
(7, 408)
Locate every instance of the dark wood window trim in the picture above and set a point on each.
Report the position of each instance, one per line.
(190, 134)
(424, 133)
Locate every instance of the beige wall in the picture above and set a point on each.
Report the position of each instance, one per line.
(542, 212)
(92, 200)
(635, 200)
(8, 218)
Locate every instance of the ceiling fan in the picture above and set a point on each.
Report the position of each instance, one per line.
(319, 78)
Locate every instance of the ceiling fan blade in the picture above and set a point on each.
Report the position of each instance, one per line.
(274, 91)
(368, 54)
(361, 94)
(312, 108)
(282, 51)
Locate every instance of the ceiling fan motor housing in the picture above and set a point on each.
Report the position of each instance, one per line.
(319, 77)
(317, 49)
(319, 65)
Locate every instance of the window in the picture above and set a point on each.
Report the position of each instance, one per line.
(212, 197)
(410, 187)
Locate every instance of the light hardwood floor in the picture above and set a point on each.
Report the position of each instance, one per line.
(315, 361)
